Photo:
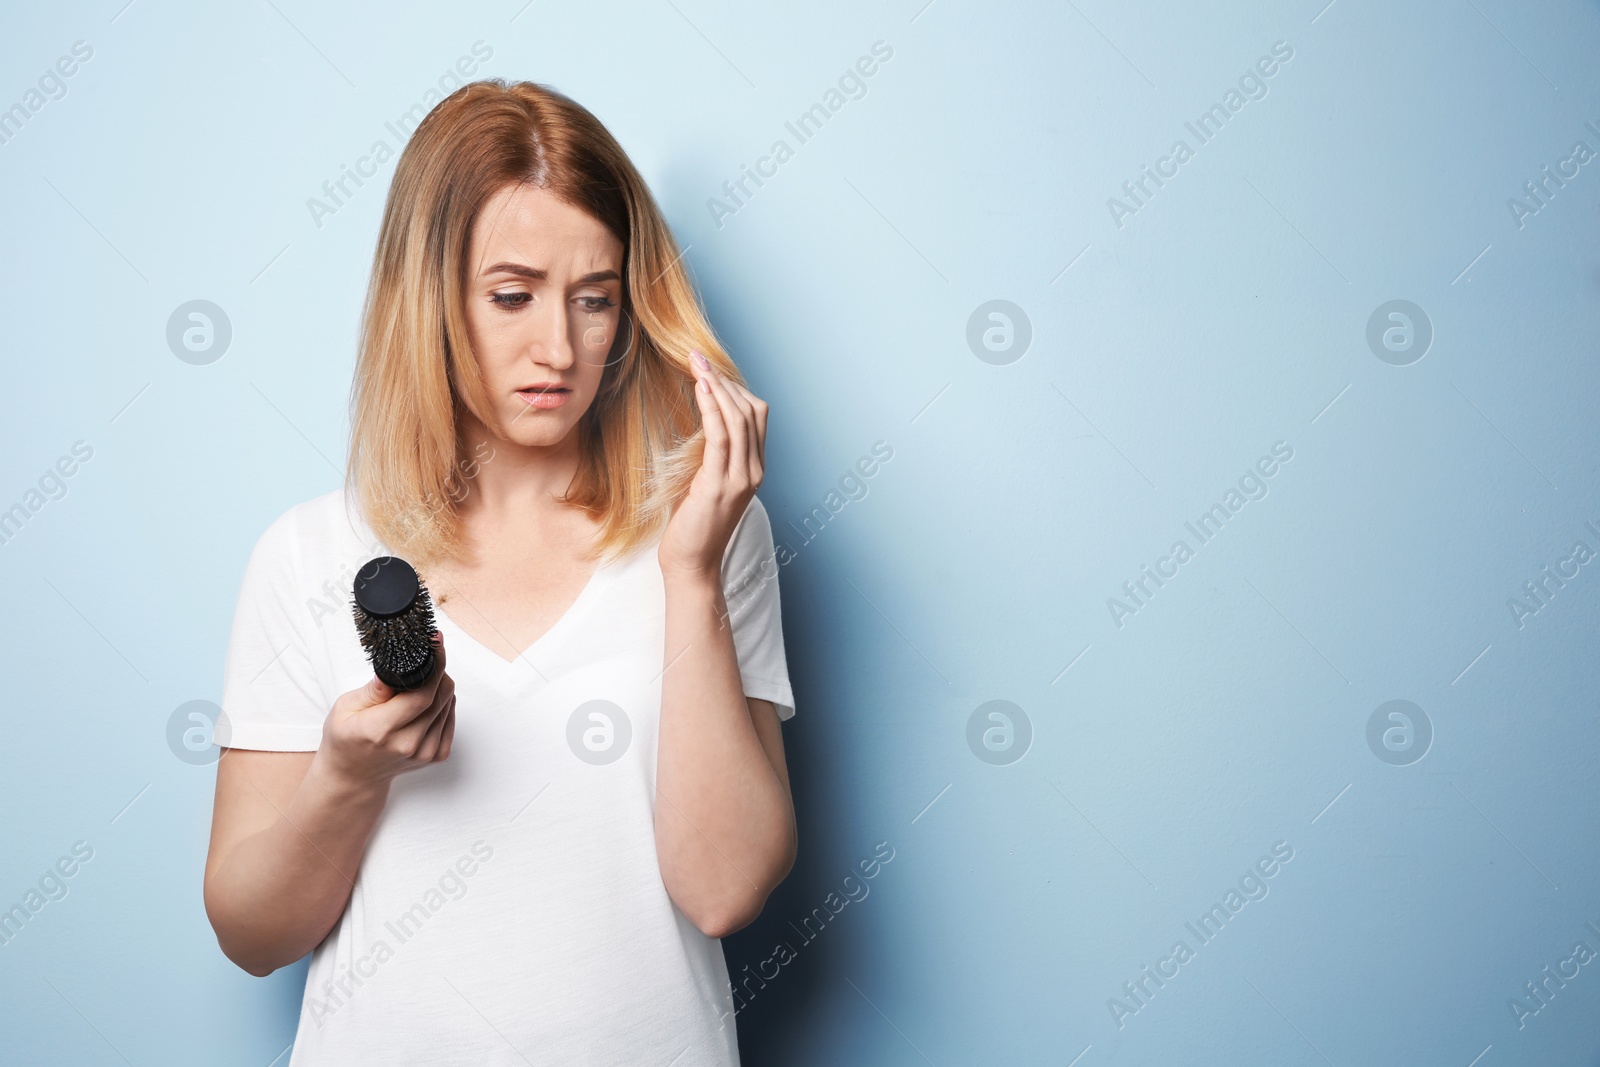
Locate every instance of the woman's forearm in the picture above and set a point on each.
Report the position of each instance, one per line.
(275, 895)
(724, 822)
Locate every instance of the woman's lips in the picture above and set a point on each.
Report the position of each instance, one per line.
(552, 398)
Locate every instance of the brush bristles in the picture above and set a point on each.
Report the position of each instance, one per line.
(399, 646)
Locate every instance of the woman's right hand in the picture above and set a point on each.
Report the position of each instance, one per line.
(375, 733)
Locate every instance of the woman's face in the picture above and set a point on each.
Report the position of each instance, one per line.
(543, 303)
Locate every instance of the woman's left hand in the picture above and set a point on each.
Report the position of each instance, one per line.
(735, 423)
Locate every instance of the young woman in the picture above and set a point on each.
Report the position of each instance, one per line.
(532, 858)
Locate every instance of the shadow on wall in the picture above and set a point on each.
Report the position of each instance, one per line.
(790, 963)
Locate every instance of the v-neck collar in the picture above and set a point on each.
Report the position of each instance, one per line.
(604, 574)
(528, 657)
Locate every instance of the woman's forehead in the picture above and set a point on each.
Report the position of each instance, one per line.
(527, 224)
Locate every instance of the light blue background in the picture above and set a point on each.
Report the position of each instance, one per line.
(1229, 313)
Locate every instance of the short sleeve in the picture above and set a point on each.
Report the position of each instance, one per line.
(271, 696)
(750, 587)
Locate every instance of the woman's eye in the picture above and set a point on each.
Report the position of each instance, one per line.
(596, 303)
(510, 300)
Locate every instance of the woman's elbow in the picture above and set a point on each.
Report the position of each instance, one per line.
(258, 970)
(221, 926)
(744, 904)
(248, 962)
(726, 922)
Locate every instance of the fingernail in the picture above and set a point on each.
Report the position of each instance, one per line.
(699, 360)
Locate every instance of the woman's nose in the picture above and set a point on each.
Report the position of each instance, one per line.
(554, 339)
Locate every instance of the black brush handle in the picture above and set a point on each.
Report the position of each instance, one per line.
(394, 619)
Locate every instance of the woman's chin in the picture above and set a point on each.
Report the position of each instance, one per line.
(539, 429)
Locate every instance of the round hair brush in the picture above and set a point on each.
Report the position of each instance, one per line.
(394, 619)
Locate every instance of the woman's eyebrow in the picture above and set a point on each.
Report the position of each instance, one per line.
(540, 275)
(517, 268)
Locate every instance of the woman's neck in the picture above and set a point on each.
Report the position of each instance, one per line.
(516, 482)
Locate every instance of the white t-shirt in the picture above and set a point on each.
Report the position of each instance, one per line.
(509, 908)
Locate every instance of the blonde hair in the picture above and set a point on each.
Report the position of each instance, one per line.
(641, 439)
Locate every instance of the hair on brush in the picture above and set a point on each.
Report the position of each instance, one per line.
(394, 619)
